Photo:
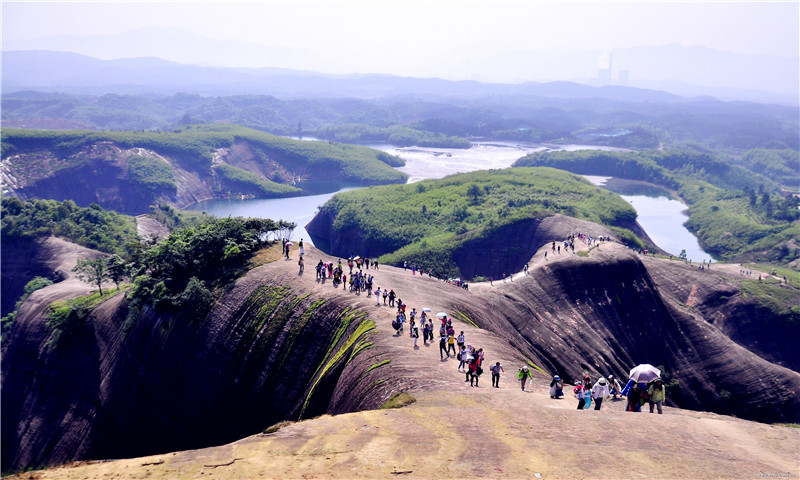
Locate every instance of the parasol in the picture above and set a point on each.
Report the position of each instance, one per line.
(645, 373)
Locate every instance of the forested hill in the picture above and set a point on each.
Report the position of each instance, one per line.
(444, 225)
(129, 171)
(736, 214)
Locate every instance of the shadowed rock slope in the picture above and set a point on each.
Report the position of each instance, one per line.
(281, 346)
(505, 250)
(131, 383)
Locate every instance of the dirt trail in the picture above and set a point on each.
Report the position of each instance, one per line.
(458, 431)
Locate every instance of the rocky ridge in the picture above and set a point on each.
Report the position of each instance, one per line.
(603, 312)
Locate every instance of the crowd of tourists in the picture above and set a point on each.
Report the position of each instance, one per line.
(636, 393)
(351, 275)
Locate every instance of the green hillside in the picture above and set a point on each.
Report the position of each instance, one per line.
(323, 164)
(735, 214)
(427, 221)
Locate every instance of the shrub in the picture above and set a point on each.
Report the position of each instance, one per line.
(398, 400)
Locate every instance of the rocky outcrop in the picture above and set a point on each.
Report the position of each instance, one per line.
(127, 383)
(100, 171)
(606, 313)
(52, 258)
(279, 346)
(715, 296)
(340, 243)
(20, 265)
(501, 251)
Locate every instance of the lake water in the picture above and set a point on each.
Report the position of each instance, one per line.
(424, 163)
(661, 216)
(299, 210)
(421, 163)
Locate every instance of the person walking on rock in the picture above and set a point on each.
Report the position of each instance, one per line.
(451, 345)
(496, 369)
(462, 356)
(634, 398)
(475, 370)
(556, 387)
(414, 333)
(599, 392)
(524, 374)
(378, 299)
(614, 387)
(656, 395)
(578, 391)
(443, 345)
(587, 393)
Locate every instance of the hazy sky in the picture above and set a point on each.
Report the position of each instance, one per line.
(413, 37)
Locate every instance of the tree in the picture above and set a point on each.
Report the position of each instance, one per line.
(682, 255)
(751, 194)
(196, 296)
(117, 269)
(474, 191)
(92, 271)
(286, 228)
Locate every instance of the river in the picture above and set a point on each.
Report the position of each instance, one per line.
(661, 216)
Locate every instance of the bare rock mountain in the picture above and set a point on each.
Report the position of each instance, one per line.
(282, 346)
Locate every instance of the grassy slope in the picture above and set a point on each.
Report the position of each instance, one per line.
(431, 218)
(194, 147)
(91, 226)
(719, 214)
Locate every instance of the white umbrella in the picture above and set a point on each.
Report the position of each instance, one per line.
(426, 309)
(289, 244)
(645, 373)
(441, 314)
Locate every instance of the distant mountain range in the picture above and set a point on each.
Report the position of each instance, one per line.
(75, 73)
(70, 72)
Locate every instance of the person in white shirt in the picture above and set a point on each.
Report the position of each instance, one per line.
(599, 392)
(460, 340)
(496, 369)
(462, 356)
